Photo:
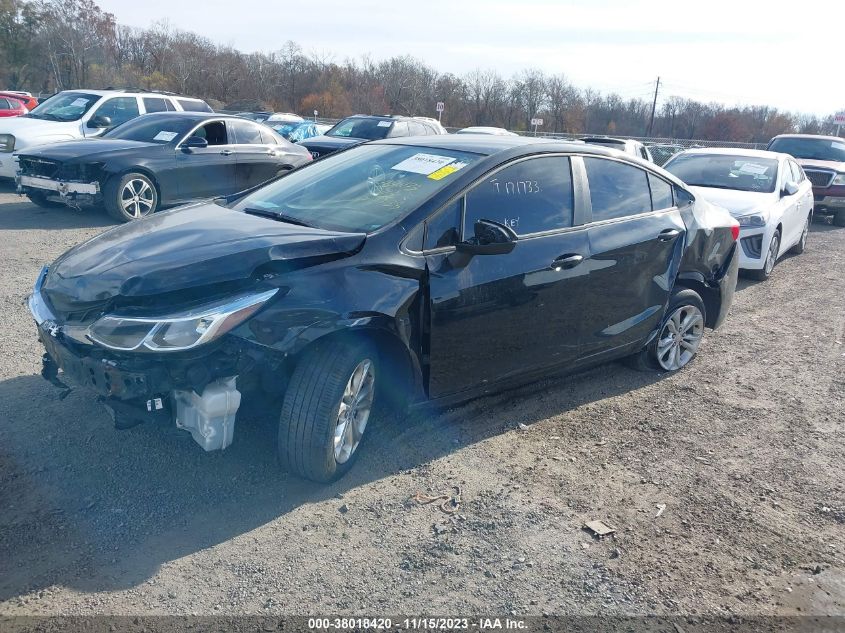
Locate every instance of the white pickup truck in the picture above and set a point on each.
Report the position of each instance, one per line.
(75, 114)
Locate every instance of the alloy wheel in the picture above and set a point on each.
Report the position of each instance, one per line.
(772, 255)
(354, 411)
(137, 198)
(680, 337)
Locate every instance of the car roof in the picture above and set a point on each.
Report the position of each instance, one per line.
(195, 116)
(734, 151)
(139, 93)
(820, 137)
(490, 144)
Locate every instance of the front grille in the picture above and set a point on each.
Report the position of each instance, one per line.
(39, 167)
(819, 178)
(752, 246)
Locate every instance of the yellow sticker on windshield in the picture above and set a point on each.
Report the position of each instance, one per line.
(441, 173)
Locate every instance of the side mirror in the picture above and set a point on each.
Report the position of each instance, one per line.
(490, 238)
(790, 188)
(194, 142)
(98, 122)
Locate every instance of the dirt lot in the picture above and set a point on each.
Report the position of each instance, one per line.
(744, 449)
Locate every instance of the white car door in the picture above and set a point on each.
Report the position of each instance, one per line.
(792, 225)
(805, 194)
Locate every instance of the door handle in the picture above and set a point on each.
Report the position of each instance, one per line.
(567, 261)
(226, 152)
(668, 235)
(271, 152)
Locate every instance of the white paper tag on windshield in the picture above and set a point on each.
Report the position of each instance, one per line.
(752, 168)
(165, 136)
(424, 164)
(384, 123)
(80, 103)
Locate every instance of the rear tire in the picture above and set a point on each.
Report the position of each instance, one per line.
(40, 199)
(130, 197)
(679, 337)
(839, 218)
(326, 408)
(771, 259)
(801, 246)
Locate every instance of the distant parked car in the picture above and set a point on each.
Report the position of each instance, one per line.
(662, 152)
(360, 128)
(823, 160)
(11, 106)
(629, 146)
(296, 132)
(156, 161)
(433, 123)
(766, 192)
(481, 129)
(28, 100)
(254, 116)
(75, 114)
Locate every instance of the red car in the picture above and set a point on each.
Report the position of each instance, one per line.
(9, 106)
(28, 100)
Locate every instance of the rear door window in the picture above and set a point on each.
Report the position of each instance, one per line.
(4, 104)
(152, 104)
(530, 196)
(617, 189)
(245, 133)
(190, 105)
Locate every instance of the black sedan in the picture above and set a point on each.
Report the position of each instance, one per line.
(155, 161)
(360, 128)
(409, 270)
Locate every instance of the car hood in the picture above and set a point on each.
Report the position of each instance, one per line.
(25, 126)
(189, 247)
(64, 150)
(737, 202)
(821, 164)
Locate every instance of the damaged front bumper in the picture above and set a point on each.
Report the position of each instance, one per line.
(197, 392)
(69, 192)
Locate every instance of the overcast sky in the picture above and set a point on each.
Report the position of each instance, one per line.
(773, 52)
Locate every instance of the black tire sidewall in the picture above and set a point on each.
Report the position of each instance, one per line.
(319, 463)
(114, 188)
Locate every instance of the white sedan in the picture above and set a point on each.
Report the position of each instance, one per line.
(767, 192)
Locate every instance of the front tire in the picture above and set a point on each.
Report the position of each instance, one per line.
(679, 337)
(130, 197)
(771, 259)
(801, 246)
(326, 408)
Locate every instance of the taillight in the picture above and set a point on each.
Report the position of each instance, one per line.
(735, 230)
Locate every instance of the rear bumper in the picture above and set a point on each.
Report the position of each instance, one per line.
(727, 287)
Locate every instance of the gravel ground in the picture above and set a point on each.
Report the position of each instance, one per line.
(743, 452)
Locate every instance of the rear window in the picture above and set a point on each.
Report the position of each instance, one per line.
(194, 105)
(359, 127)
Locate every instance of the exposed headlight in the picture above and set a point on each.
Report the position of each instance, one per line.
(755, 219)
(838, 179)
(7, 143)
(178, 331)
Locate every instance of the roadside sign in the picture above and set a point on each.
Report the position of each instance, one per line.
(441, 106)
(839, 118)
(536, 122)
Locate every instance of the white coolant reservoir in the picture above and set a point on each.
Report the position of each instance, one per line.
(210, 417)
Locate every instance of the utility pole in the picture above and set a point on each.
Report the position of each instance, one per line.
(653, 107)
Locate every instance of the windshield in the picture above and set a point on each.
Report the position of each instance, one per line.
(370, 129)
(811, 148)
(154, 128)
(285, 128)
(743, 173)
(65, 106)
(359, 190)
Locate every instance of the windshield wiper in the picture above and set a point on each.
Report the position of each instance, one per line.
(281, 217)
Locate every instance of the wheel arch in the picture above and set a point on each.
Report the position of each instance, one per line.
(137, 169)
(710, 296)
